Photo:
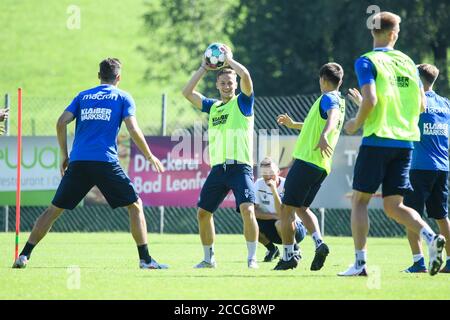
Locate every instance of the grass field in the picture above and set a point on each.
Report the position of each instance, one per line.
(108, 269)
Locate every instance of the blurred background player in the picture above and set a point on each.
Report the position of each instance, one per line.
(389, 110)
(269, 191)
(230, 134)
(429, 168)
(3, 116)
(313, 156)
(99, 113)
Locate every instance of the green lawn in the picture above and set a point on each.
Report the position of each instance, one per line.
(108, 269)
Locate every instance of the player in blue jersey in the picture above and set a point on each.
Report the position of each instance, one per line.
(93, 161)
(389, 106)
(429, 168)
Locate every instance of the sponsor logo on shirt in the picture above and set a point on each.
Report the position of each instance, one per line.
(435, 129)
(101, 96)
(437, 109)
(219, 120)
(96, 114)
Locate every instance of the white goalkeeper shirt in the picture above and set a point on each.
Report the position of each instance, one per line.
(264, 196)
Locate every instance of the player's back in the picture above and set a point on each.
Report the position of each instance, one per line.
(431, 152)
(99, 112)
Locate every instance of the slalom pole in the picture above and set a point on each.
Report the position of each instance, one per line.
(19, 161)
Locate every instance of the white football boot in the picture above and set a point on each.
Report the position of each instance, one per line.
(152, 265)
(435, 254)
(353, 271)
(206, 265)
(252, 264)
(21, 262)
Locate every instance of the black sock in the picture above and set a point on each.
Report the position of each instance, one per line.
(296, 247)
(26, 251)
(270, 246)
(143, 253)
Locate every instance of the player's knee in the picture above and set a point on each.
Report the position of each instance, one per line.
(360, 198)
(247, 209)
(203, 215)
(392, 207)
(53, 212)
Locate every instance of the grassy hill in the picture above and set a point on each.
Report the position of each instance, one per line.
(52, 62)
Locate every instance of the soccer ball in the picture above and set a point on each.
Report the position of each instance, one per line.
(215, 56)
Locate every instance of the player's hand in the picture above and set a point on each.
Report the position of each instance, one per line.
(271, 183)
(204, 65)
(156, 163)
(324, 147)
(350, 126)
(228, 54)
(4, 114)
(355, 96)
(285, 120)
(64, 165)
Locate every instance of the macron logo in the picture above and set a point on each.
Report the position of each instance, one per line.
(101, 96)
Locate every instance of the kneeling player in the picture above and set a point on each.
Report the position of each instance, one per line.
(269, 190)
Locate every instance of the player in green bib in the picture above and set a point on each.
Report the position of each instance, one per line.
(230, 137)
(312, 155)
(389, 109)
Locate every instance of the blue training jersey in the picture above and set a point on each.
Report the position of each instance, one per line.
(99, 113)
(431, 152)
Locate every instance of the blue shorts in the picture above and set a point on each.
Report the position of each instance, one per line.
(222, 179)
(382, 165)
(267, 227)
(81, 176)
(430, 190)
(302, 184)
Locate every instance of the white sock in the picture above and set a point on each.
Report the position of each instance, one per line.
(288, 251)
(417, 257)
(427, 234)
(360, 257)
(208, 252)
(317, 239)
(251, 247)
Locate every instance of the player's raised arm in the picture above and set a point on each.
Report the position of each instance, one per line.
(246, 80)
(139, 139)
(61, 132)
(189, 92)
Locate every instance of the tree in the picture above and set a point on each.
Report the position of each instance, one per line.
(179, 32)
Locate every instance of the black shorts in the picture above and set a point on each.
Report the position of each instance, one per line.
(302, 184)
(382, 165)
(430, 191)
(81, 176)
(267, 227)
(222, 179)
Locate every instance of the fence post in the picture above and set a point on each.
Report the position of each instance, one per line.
(163, 133)
(7, 133)
(164, 114)
(161, 219)
(322, 221)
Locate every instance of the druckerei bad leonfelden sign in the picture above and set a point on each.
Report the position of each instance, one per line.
(186, 165)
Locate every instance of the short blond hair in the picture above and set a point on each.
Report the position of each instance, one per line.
(385, 22)
(428, 72)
